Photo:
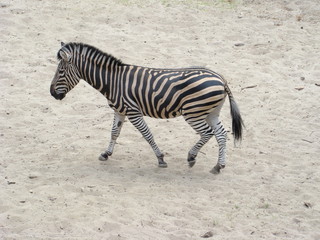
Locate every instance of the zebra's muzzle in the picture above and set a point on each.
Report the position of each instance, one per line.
(58, 96)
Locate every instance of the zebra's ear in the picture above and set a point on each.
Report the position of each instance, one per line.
(65, 56)
(62, 44)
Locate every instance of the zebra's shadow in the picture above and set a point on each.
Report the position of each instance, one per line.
(178, 170)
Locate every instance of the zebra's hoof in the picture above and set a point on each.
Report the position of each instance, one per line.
(217, 168)
(103, 157)
(192, 163)
(162, 164)
(191, 159)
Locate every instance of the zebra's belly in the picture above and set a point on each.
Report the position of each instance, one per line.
(164, 114)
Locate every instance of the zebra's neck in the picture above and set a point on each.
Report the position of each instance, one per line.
(97, 68)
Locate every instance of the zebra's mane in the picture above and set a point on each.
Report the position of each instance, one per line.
(79, 47)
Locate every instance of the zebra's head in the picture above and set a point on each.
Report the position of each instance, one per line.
(67, 74)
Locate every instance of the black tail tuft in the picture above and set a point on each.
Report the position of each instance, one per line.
(237, 122)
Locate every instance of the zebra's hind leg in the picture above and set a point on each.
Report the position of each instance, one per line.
(221, 137)
(138, 121)
(206, 133)
(115, 132)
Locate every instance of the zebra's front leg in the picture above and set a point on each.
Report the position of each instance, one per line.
(118, 121)
(138, 121)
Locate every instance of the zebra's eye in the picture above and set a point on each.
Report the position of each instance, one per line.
(63, 67)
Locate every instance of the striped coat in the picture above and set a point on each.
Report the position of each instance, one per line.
(197, 94)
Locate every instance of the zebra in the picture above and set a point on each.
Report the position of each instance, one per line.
(195, 93)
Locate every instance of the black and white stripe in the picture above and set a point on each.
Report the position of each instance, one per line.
(197, 94)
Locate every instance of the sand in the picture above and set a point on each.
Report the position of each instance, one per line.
(54, 187)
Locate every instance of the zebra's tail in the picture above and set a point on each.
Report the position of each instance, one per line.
(237, 122)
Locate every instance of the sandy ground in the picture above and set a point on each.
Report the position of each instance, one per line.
(54, 187)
